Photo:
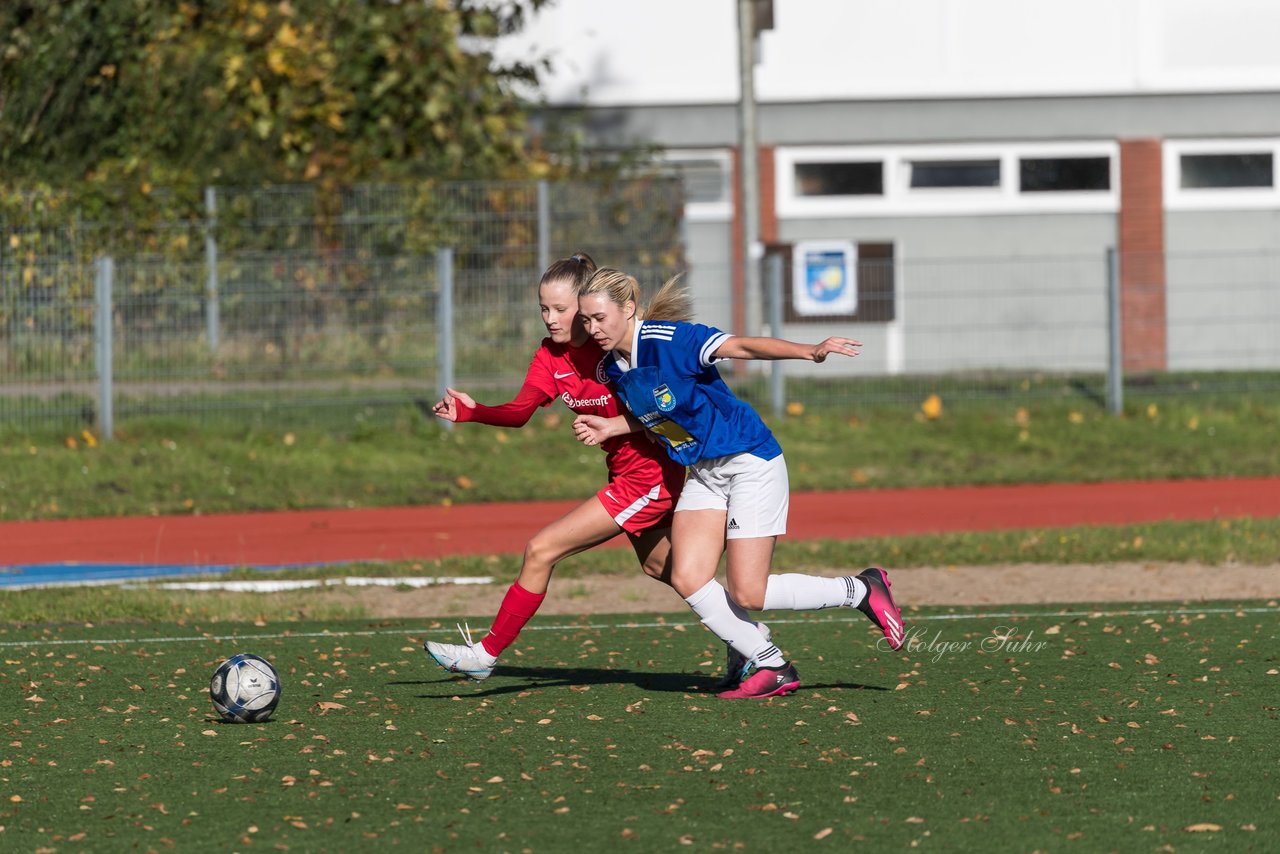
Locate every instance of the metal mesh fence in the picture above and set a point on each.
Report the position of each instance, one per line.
(1028, 329)
(283, 298)
(327, 307)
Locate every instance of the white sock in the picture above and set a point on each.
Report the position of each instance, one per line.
(792, 591)
(857, 590)
(729, 622)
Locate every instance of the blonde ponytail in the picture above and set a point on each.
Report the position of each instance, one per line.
(671, 302)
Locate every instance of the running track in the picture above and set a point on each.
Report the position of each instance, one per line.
(332, 536)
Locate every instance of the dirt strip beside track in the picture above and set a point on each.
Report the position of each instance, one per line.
(1000, 587)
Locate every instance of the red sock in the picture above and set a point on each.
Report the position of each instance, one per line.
(517, 608)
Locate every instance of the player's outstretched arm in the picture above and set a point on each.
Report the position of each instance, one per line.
(595, 429)
(746, 347)
(447, 406)
(458, 406)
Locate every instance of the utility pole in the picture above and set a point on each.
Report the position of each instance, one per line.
(748, 164)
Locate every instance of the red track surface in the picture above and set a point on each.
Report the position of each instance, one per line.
(326, 536)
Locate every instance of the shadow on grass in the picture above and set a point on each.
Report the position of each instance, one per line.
(527, 678)
(1090, 391)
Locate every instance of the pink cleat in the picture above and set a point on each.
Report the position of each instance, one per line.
(765, 682)
(736, 665)
(879, 606)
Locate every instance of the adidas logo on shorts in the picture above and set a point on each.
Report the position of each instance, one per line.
(733, 524)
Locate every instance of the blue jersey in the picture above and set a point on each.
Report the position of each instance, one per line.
(672, 386)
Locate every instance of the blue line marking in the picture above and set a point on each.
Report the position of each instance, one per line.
(56, 574)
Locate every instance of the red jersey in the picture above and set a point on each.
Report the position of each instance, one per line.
(575, 375)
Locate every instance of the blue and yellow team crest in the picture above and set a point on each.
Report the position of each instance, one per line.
(664, 398)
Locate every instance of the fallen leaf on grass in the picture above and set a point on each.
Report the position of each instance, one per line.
(1204, 827)
(327, 705)
(823, 834)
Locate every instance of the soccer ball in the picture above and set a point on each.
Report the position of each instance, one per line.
(245, 689)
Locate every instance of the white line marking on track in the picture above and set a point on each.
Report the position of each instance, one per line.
(671, 624)
(267, 585)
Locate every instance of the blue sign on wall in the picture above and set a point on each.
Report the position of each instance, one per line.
(824, 281)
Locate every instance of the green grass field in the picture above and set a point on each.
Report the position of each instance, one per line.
(1146, 728)
(373, 458)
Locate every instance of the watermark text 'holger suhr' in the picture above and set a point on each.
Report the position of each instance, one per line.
(1001, 639)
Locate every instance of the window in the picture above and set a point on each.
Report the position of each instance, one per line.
(840, 179)
(954, 173)
(1221, 174)
(952, 179)
(1063, 174)
(705, 176)
(704, 181)
(1224, 171)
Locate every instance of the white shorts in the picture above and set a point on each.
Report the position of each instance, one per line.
(753, 492)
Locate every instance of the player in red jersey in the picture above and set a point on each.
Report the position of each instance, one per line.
(639, 498)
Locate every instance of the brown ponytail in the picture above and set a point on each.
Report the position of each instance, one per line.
(576, 269)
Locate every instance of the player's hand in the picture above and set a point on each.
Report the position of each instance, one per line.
(447, 408)
(591, 429)
(838, 345)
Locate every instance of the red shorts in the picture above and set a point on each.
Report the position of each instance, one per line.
(637, 507)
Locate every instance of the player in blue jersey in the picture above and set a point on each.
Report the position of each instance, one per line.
(736, 496)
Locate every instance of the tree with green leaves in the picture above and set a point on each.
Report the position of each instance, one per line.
(149, 93)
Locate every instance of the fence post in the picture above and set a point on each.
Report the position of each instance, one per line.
(777, 383)
(544, 228)
(104, 272)
(1115, 369)
(444, 321)
(211, 321)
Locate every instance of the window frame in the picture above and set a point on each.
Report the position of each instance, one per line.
(900, 199)
(720, 211)
(1177, 198)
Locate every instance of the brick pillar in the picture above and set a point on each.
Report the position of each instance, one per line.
(767, 165)
(1144, 332)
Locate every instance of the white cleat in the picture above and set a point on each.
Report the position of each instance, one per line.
(469, 659)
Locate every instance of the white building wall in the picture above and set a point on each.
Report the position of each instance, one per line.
(959, 75)
(620, 52)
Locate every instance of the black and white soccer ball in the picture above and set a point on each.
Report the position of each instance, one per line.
(245, 689)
